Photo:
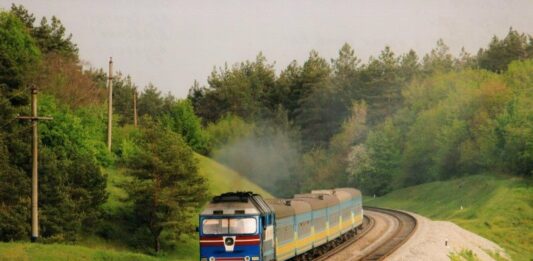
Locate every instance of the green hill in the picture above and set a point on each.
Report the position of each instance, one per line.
(221, 179)
(496, 207)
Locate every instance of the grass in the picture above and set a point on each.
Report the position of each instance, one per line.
(26, 251)
(220, 179)
(497, 207)
(463, 255)
(223, 179)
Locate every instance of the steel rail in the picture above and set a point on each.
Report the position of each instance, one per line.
(407, 225)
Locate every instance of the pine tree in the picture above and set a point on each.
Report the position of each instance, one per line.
(166, 188)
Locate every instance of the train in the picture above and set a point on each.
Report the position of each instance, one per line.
(245, 227)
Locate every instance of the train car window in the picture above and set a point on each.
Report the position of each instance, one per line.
(304, 228)
(346, 215)
(285, 233)
(319, 224)
(242, 225)
(334, 219)
(215, 226)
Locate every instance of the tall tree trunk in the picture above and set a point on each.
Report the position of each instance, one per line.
(157, 244)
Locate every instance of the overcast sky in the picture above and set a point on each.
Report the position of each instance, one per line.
(172, 43)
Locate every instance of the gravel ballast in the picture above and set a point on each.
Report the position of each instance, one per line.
(436, 240)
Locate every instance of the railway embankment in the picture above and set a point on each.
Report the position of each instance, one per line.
(498, 208)
(441, 240)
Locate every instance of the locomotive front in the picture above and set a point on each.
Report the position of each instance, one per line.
(236, 226)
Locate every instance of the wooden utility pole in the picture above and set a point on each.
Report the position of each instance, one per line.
(110, 104)
(34, 168)
(135, 107)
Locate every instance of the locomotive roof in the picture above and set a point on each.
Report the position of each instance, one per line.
(236, 203)
(230, 208)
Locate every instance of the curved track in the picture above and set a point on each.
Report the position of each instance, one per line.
(406, 226)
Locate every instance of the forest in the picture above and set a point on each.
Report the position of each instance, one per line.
(395, 120)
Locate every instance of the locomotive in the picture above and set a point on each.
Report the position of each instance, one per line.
(243, 226)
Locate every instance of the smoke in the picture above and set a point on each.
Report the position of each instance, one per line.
(267, 156)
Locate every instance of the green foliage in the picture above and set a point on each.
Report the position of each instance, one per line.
(150, 102)
(463, 255)
(376, 165)
(54, 252)
(165, 187)
(123, 92)
(242, 90)
(50, 37)
(177, 115)
(439, 59)
(13, 208)
(325, 168)
(227, 130)
(71, 187)
(18, 52)
(500, 53)
(180, 118)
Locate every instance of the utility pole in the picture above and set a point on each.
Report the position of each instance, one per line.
(110, 104)
(34, 168)
(135, 107)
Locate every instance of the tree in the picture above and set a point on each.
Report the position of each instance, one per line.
(123, 91)
(165, 188)
(244, 90)
(150, 102)
(18, 53)
(382, 86)
(500, 53)
(345, 67)
(310, 95)
(50, 37)
(439, 59)
(179, 117)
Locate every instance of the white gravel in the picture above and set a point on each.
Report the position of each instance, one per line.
(428, 242)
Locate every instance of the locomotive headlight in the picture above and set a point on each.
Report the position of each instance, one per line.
(255, 258)
(229, 241)
(212, 258)
(246, 258)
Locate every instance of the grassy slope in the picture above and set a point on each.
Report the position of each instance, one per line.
(498, 208)
(221, 179)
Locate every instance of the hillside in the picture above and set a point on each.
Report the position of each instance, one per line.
(221, 179)
(496, 207)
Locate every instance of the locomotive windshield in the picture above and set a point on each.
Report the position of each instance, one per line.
(217, 226)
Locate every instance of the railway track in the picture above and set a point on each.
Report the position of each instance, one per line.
(406, 228)
(407, 225)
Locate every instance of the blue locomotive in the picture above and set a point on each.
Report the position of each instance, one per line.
(243, 226)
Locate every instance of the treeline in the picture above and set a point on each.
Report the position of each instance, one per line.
(393, 121)
(161, 181)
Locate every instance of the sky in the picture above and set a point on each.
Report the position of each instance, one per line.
(173, 43)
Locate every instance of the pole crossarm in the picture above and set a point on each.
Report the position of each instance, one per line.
(31, 118)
